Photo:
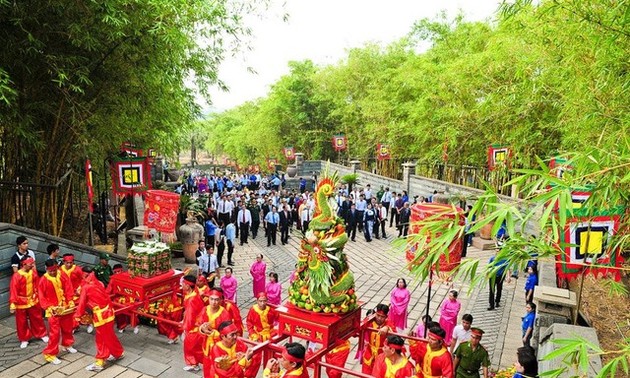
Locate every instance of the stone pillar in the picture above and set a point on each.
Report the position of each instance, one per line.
(354, 165)
(299, 162)
(408, 169)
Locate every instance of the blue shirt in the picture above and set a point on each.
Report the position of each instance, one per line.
(230, 232)
(210, 228)
(528, 321)
(501, 263)
(272, 218)
(531, 282)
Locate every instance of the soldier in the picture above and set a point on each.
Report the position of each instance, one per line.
(470, 356)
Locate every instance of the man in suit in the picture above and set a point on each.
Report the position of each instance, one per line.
(351, 222)
(244, 219)
(285, 221)
(271, 223)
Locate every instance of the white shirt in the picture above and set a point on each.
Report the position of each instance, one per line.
(361, 205)
(225, 206)
(461, 335)
(383, 212)
(387, 197)
(307, 214)
(247, 214)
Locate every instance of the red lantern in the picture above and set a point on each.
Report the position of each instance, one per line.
(420, 212)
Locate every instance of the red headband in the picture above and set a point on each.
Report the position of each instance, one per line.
(68, 258)
(262, 295)
(381, 312)
(202, 279)
(215, 292)
(229, 329)
(437, 337)
(291, 358)
(28, 260)
(395, 346)
(52, 268)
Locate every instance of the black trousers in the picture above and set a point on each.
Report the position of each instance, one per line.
(254, 229)
(496, 290)
(271, 233)
(284, 234)
(244, 227)
(352, 231)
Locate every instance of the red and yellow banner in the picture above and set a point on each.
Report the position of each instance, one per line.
(289, 153)
(161, 210)
(383, 152)
(90, 186)
(499, 156)
(340, 142)
(130, 175)
(271, 163)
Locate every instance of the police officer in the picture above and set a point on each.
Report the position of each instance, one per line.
(470, 356)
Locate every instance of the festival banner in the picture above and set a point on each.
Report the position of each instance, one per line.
(585, 247)
(498, 156)
(289, 153)
(340, 142)
(382, 152)
(130, 149)
(271, 163)
(130, 175)
(256, 168)
(90, 186)
(161, 209)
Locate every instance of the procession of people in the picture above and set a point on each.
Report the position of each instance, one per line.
(207, 305)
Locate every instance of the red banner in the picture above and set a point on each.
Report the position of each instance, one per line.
(271, 163)
(340, 142)
(499, 156)
(289, 153)
(382, 152)
(586, 246)
(130, 175)
(90, 186)
(161, 209)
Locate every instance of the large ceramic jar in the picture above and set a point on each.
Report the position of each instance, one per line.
(190, 234)
(291, 171)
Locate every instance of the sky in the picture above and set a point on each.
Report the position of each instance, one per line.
(322, 31)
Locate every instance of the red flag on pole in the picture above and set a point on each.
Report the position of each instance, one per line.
(90, 187)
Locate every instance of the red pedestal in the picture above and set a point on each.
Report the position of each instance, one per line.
(145, 289)
(323, 329)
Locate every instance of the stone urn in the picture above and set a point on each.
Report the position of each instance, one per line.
(190, 233)
(291, 171)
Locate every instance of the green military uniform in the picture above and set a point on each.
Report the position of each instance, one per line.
(103, 272)
(470, 361)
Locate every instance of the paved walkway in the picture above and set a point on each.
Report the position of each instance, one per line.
(376, 270)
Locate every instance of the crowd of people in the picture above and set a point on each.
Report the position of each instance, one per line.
(207, 308)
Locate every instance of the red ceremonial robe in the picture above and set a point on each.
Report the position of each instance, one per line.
(193, 306)
(56, 292)
(237, 369)
(337, 356)
(216, 318)
(171, 308)
(260, 328)
(383, 368)
(429, 363)
(23, 299)
(95, 297)
(236, 315)
(373, 345)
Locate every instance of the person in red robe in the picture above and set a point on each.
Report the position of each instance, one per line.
(230, 356)
(95, 297)
(393, 363)
(432, 357)
(203, 289)
(290, 365)
(233, 310)
(338, 357)
(374, 340)
(55, 291)
(171, 308)
(260, 321)
(24, 303)
(208, 322)
(193, 305)
(75, 274)
(122, 320)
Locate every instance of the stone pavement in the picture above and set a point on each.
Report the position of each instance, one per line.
(376, 268)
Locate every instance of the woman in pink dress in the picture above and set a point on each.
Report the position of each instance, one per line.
(229, 285)
(448, 314)
(399, 302)
(274, 290)
(258, 270)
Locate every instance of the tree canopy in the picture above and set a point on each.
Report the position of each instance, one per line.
(541, 78)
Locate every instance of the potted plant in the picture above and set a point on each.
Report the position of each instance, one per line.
(350, 180)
